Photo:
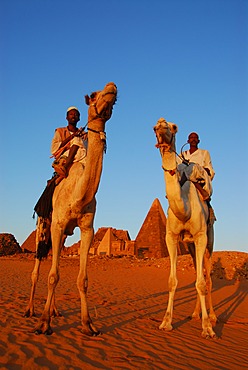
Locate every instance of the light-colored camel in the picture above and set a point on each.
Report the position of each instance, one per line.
(188, 213)
(74, 204)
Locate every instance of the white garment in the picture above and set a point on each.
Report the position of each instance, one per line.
(202, 157)
(196, 173)
(82, 147)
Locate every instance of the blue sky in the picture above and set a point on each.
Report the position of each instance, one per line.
(185, 60)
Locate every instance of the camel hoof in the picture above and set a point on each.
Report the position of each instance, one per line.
(196, 316)
(56, 314)
(210, 334)
(43, 328)
(38, 332)
(97, 333)
(165, 327)
(91, 333)
(49, 331)
(29, 314)
(213, 318)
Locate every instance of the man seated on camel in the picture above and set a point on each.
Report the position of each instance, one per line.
(69, 145)
(201, 157)
(197, 155)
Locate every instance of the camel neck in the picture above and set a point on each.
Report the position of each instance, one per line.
(174, 191)
(93, 168)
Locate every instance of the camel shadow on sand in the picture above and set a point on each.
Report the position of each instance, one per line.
(230, 303)
(151, 306)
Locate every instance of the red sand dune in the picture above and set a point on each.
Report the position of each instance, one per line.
(127, 300)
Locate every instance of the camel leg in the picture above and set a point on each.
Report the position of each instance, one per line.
(197, 310)
(29, 312)
(171, 241)
(190, 246)
(208, 267)
(54, 312)
(43, 326)
(200, 243)
(87, 233)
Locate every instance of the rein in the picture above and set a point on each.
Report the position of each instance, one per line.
(185, 161)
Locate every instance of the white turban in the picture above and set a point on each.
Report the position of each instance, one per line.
(71, 108)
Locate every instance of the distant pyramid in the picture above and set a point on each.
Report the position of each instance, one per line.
(104, 247)
(9, 245)
(150, 241)
(29, 245)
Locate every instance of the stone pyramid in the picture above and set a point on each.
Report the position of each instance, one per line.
(29, 245)
(104, 247)
(9, 245)
(150, 241)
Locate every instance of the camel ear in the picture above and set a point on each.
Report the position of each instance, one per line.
(87, 99)
(174, 128)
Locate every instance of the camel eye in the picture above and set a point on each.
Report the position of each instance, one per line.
(92, 95)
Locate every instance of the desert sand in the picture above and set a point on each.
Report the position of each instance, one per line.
(127, 298)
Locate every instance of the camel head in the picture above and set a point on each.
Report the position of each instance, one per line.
(165, 133)
(101, 102)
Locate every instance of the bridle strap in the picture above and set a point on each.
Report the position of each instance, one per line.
(96, 131)
(102, 137)
(171, 172)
